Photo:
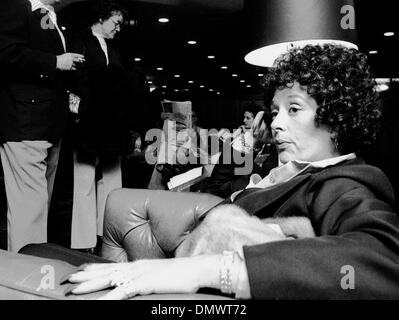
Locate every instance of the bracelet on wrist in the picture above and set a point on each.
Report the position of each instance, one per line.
(225, 272)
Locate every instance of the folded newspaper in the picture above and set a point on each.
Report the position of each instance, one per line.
(186, 179)
(189, 178)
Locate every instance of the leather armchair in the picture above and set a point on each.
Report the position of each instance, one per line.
(141, 223)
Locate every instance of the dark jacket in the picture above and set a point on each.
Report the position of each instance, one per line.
(33, 95)
(224, 181)
(349, 206)
(103, 89)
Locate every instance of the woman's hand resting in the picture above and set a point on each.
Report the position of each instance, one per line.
(144, 277)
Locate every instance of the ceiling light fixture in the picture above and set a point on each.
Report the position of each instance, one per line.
(235, 75)
(192, 42)
(202, 86)
(389, 34)
(137, 59)
(382, 84)
(130, 23)
(190, 81)
(177, 75)
(211, 57)
(242, 81)
(260, 74)
(163, 20)
(382, 87)
(224, 67)
(160, 69)
(373, 52)
(278, 25)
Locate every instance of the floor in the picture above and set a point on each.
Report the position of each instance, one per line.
(136, 174)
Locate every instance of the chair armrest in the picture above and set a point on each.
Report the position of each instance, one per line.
(141, 223)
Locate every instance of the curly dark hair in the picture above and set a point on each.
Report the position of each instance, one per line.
(340, 81)
(104, 9)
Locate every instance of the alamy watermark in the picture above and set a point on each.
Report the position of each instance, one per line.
(180, 147)
(348, 19)
(348, 280)
(46, 22)
(47, 282)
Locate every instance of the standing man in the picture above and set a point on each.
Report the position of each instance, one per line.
(33, 112)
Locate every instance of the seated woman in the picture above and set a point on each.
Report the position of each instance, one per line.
(325, 115)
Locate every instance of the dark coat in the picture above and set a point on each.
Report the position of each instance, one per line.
(349, 206)
(103, 113)
(223, 180)
(33, 95)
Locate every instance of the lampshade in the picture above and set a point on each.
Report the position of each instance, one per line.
(277, 25)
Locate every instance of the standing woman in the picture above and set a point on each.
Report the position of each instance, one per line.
(100, 131)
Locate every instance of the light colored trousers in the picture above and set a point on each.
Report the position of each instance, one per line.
(89, 196)
(29, 173)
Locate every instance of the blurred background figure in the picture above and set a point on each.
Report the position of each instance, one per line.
(253, 139)
(243, 140)
(185, 149)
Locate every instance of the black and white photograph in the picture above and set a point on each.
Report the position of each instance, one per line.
(199, 156)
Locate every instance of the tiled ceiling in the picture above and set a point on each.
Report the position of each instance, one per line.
(219, 29)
